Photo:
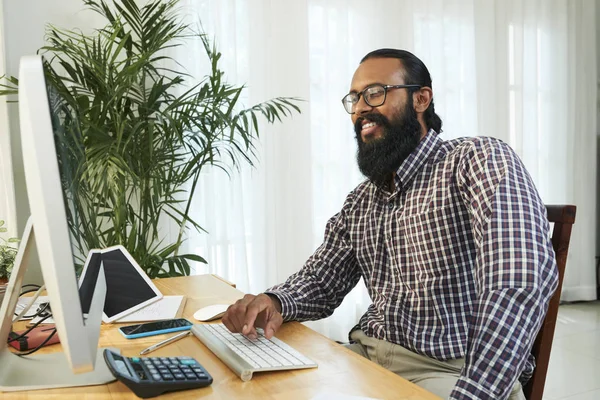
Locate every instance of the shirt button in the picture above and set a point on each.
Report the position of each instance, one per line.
(390, 205)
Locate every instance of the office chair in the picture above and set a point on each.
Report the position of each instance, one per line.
(563, 217)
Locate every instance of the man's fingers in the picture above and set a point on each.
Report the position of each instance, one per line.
(273, 324)
(250, 312)
(258, 305)
(235, 315)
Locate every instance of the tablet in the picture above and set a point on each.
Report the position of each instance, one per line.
(128, 288)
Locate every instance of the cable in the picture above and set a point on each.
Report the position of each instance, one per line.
(28, 306)
(26, 353)
(24, 334)
(42, 311)
(32, 327)
(27, 285)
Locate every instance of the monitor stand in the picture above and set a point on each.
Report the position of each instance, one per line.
(46, 371)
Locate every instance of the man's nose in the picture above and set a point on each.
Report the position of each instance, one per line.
(361, 107)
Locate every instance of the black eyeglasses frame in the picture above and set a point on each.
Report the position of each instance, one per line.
(385, 90)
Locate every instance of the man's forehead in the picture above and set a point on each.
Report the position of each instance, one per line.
(378, 70)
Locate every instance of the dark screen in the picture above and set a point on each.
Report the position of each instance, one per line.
(69, 155)
(86, 290)
(155, 326)
(125, 287)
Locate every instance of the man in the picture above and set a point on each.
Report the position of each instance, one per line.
(450, 237)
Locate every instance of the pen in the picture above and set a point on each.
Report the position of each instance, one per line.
(165, 342)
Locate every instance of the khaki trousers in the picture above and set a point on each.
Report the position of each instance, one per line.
(438, 377)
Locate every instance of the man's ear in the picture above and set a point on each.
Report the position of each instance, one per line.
(422, 98)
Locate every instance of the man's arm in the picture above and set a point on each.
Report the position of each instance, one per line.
(515, 269)
(329, 274)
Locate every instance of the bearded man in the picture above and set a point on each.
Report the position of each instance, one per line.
(450, 237)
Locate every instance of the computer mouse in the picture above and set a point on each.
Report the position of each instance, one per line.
(209, 313)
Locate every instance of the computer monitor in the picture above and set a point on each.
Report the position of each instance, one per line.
(80, 362)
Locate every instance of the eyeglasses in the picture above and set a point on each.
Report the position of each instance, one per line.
(374, 95)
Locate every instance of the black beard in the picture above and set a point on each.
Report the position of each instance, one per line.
(380, 158)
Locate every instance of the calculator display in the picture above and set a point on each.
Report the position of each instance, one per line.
(121, 366)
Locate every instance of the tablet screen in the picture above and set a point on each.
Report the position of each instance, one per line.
(88, 283)
(128, 288)
(125, 287)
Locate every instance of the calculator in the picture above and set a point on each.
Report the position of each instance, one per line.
(153, 376)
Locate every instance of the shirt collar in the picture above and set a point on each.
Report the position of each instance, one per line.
(416, 160)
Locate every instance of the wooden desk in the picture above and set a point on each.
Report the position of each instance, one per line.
(340, 370)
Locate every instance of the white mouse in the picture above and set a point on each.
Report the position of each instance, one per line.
(209, 313)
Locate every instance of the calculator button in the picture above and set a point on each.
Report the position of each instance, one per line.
(167, 377)
(188, 362)
(191, 375)
(156, 377)
(179, 376)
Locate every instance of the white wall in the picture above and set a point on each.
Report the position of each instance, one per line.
(598, 141)
(7, 201)
(24, 23)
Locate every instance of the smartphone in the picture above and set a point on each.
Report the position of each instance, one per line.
(155, 328)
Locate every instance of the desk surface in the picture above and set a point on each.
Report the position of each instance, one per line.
(340, 370)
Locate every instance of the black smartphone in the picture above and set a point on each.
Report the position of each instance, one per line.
(155, 328)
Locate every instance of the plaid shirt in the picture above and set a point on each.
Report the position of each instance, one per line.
(457, 261)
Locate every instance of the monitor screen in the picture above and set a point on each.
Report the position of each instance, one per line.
(70, 155)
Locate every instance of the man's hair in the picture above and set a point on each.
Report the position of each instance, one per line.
(415, 73)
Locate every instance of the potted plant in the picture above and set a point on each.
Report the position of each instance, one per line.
(134, 135)
(8, 252)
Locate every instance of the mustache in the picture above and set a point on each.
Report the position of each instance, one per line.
(373, 117)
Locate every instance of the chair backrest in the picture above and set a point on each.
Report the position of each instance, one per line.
(563, 217)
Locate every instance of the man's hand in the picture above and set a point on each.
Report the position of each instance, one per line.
(252, 312)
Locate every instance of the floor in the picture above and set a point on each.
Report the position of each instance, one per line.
(574, 370)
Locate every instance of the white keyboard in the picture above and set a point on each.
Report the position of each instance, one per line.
(245, 356)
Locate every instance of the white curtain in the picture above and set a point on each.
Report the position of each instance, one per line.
(522, 71)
